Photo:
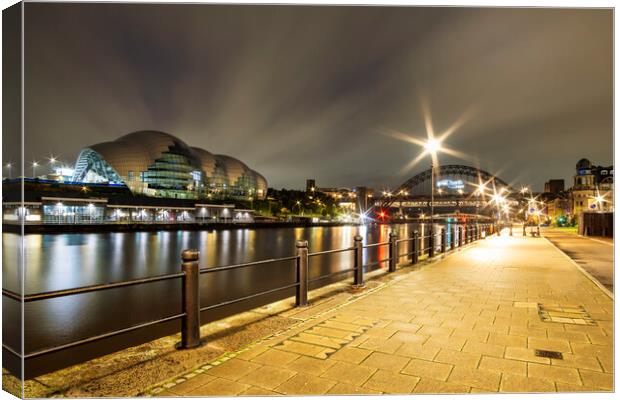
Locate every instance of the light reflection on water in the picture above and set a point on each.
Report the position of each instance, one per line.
(61, 261)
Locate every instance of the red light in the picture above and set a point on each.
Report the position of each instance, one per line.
(382, 214)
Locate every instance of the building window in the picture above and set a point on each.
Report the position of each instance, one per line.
(130, 176)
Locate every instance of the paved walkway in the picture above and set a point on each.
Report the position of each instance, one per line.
(471, 322)
(595, 255)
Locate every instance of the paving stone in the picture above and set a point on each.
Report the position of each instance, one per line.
(553, 373)
(427, 369)
(257, 391)
(345, 388)
(549, 344)
(453, 357)
(503, 365)
(597, 379)
(567, 387)
(452, 343)
(578, 361)
(252, 352)
(512, 383)
(408, 337)
(267, 377)
(388, 362)
(193, 383)
(404, 326)
(233, 369)
(433, 386)
(607, 361)
(301, 348)
(305, 384)
(525, 354)
(415, 350)
(483, 348)
(310, 365)
(219, 387)
(391, 383)
(507, 340)
(352, 374)
(475, 378)
(383, 345)
(275, 357)
(351, 354)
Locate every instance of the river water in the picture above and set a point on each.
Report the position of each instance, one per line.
(61, 261)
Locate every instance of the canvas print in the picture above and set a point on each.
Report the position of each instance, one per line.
(285, 200)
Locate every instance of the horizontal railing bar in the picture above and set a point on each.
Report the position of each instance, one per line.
(368, 246)
(404, 240)
(207, 270)
(330, 275)
(102, 336)
(12, 295)
(225, 303)
(318, 253)
(96, 288)
(10, 350)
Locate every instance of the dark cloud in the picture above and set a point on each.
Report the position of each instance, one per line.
(304, 92)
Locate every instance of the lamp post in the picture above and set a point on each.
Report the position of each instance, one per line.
(34, 167)
(8, 166)
(432, 146)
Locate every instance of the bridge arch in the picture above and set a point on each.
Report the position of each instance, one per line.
(452, 177)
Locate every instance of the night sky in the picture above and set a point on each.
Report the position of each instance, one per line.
(307, 92)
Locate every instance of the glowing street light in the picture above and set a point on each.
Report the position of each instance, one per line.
(8, 166)
(34, 167)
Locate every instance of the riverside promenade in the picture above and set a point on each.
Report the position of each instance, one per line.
(506, 314)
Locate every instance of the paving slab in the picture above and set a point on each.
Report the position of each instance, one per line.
(471, 322)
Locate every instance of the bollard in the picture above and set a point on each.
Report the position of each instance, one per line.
(443, 240)
(392, 251)
(460, 236)
(357, 261)
(524, 233)
(190, 323)
(510, 229)
(301, 294)
(538, 231)
(415, 244)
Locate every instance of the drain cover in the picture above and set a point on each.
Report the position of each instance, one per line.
(565, 314)
(549, 354)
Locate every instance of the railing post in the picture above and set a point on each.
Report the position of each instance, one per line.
(443, 240)
(524, 233)
(538, 231)
(415, 246)
(301, 295)
(460, 236)
(431, 244)
(358, 279)
(190, 324)
(453, 238)
(392, 252)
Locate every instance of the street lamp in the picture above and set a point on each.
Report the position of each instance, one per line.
(34, 167)
(8, 166)
(432, 146)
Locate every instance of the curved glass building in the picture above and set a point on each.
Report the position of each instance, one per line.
(161, 165)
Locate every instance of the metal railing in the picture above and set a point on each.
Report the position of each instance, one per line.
(190, 279)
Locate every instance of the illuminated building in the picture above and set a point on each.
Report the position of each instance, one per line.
(158, 164)
(592, 182)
